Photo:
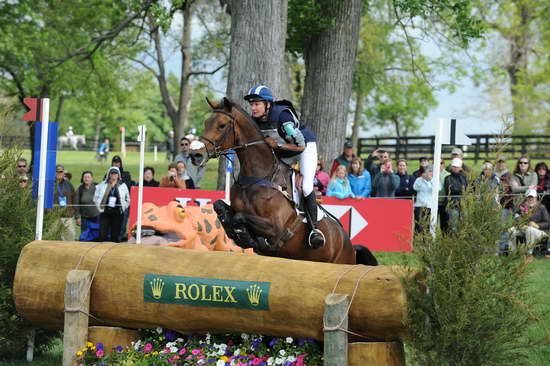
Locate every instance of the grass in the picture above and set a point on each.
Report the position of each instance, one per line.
(76, 162)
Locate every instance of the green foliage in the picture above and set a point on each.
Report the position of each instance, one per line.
(469, 306)
(306, 19)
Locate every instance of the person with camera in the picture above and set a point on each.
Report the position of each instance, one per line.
(172, 180)
(371, 166)
(112, 198)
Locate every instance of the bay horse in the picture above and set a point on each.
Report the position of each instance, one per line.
(260, 215)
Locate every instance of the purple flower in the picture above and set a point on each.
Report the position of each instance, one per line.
(99, 345)
(118, 348)
(273, 342)
(288, 363)
(102, 364)
(170, 335)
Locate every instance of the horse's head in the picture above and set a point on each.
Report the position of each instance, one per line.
(220, 132)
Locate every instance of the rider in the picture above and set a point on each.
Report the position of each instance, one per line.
(284, 133)
(70, 132)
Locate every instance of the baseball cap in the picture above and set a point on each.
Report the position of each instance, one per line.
(456, 163)
(117, 159)
(531, 193)
(456, 151)
(59, 168)
(501, 158)
(348, 145)
(422, 158)
(487, 165)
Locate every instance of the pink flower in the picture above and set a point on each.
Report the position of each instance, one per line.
(196, 351)
(148, 348)
(300, 360)
(189, 357)
(257, 361)
(182, 351)
(100, 353)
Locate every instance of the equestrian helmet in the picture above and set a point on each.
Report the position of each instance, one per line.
(259, 93)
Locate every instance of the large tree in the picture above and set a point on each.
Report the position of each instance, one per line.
(257, 55)
(330, 60)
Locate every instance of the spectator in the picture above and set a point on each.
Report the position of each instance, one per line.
(23, 181)
(127, 180)
(455, 185)
(172, 180)
(182, 174)
(543, 186)
(538, 220)
(87, 213)
(502, 173)
(195, 173)
(149, 177)
(423, 202)
(456, 153)
(442, 201)
(371, 166)
(359, 179)
(64, 197)
(386, 182)
(406, 181)
(523, 178)
(103, 150)
(488, 181)
(339, 186)
(112, 198)
(170, 147)
(321, 179)
(344, 159)
(423, 162)
(22, 167)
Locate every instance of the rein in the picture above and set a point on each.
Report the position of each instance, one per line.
(227, 152)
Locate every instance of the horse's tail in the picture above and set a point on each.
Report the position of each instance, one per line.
(365, 256)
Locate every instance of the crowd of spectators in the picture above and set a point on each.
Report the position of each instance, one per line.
(102, 210)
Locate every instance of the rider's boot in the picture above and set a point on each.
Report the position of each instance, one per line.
(316, 239)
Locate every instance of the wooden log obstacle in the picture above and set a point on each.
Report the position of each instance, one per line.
(135, 286)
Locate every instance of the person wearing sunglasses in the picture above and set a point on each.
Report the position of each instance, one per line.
(22, 167)
(195, 173)
(523, 178)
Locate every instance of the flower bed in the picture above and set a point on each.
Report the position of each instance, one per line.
(166, 347)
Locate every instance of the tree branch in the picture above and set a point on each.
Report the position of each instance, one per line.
(15, 79)
(193, 73)
(147, 67)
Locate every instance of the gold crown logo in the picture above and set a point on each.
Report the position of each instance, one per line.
(156, 287)
(254, 292)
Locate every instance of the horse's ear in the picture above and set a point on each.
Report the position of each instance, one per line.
(210, 103)
(227, 104)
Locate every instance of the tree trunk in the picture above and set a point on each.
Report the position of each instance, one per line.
(330, 61)
(97, 130)
(517, 67)
(59, 108)
(357, 119)
(257, 56)
(185, 83)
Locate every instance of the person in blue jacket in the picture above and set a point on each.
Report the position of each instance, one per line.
(288, 137)
(339, 186)
(359, 179)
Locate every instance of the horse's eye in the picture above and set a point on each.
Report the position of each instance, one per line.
(221, 126)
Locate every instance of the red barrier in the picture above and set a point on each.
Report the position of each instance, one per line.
(382, 224)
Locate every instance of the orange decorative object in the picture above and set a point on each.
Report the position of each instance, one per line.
(190, 227)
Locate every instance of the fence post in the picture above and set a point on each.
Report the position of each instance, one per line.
(523, 145)
(77, 305)
(476, 154)
(336, 341)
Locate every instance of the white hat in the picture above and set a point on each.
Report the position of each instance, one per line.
(531, 193)
(456, 151)
(457, 163)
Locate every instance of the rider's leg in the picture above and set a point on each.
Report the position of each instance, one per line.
(308, 165)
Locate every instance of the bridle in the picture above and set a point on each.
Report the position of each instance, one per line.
(218, 151)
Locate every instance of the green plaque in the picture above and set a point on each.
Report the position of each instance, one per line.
(252, 295)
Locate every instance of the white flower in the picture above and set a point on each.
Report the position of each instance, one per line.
(220, 363)
(270, 361)
(282, 352)
(179, 340)
(279, 361)
(237, 352)
(291, 358)
(173, 349)
(288, 340)
(170, 344)
(137, 345)
(245, 336)
(221, 352)
(159, 330)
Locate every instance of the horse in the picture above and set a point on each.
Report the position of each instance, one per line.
(72, 141)
(261, 215)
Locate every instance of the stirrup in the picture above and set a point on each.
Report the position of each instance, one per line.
(316, 239)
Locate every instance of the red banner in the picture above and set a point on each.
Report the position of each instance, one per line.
(381, 224)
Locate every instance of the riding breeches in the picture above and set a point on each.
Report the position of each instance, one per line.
(308, 165)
